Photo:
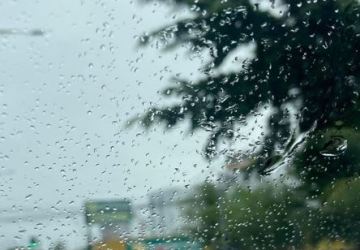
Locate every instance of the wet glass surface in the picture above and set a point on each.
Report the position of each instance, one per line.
(184, 124)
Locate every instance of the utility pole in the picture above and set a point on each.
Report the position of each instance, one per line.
(89, 237)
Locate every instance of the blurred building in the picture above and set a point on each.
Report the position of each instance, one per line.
(161, 215)
(166, 211)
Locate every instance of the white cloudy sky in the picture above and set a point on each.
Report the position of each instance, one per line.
(64, 100)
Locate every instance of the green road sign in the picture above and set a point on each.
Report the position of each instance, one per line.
(105, 212)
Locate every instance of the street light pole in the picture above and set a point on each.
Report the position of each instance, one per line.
(31, 32)
(89, 237)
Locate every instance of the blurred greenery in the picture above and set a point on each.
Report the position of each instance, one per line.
(276, 217)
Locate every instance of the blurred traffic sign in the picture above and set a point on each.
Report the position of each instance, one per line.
(105, 212)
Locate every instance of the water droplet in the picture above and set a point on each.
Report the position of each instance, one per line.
(28, 196)
(335, 146)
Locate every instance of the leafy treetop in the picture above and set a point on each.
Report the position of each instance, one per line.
(306, 57)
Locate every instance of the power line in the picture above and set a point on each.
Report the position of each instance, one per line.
(40, 215)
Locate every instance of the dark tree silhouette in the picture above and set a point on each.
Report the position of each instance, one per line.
(306, 58)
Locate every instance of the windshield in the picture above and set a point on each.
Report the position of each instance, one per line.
(184, 124)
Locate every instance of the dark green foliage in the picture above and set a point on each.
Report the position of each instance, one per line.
(316, 171)
(310, 49)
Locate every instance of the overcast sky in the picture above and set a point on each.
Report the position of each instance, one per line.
(64, 100)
